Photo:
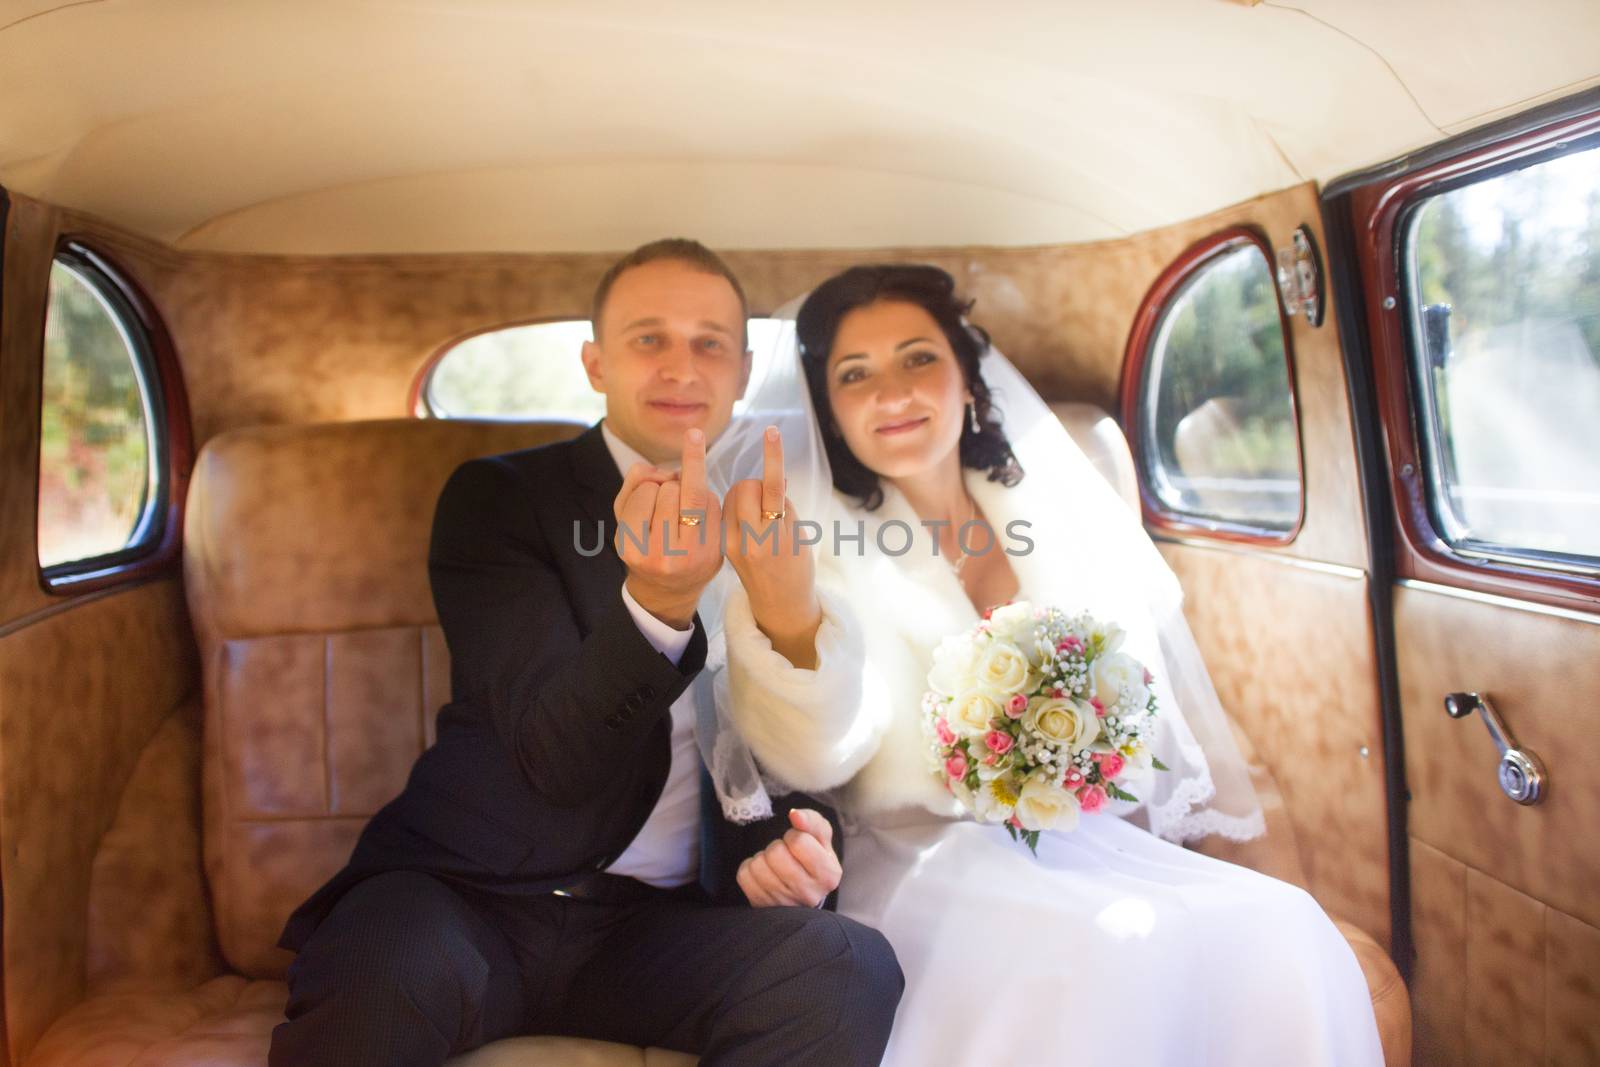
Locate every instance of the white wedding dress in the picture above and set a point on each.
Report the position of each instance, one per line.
(1112, 946)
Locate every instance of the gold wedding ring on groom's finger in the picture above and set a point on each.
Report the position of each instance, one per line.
(769, 516)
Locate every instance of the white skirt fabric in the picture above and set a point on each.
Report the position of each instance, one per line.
(1113, 947)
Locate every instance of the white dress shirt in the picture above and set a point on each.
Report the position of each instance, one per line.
(666, 850)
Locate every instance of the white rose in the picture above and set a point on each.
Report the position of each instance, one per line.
(1003, 668)
(954, 662)
(1063, 720)
(971, 712)
(1012, 622)
(1116, 677)
(1046, 806)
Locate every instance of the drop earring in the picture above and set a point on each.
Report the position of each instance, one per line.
(972, 417)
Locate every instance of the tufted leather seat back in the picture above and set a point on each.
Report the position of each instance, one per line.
(305, 561)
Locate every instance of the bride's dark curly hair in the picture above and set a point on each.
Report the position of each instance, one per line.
(933, 290)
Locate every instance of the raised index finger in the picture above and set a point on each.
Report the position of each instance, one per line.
(693, 473)
(772, 470)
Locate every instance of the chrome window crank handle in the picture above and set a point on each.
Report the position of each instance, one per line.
(1521, 773)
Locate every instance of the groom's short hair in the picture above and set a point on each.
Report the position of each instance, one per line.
(683, 250)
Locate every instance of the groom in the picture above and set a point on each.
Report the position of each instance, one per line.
(555, 864)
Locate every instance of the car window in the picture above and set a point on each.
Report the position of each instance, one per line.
(1219, 439)
(1504, 295)
(99, 479)
(530, 372)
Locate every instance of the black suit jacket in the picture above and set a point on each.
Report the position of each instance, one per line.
(556, 744)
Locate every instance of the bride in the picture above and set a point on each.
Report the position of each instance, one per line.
(939, 484)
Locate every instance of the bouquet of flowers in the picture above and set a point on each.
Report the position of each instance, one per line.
(1035, 715)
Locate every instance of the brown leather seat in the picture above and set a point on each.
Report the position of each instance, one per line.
(228, 1021)
(305, 563)
(1277, 853)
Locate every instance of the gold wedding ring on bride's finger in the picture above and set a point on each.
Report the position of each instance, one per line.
(769, 516)
(686, 518)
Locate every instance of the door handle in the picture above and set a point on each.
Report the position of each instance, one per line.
(1521, 773)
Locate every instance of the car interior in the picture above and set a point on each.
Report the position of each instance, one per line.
(1315, 285)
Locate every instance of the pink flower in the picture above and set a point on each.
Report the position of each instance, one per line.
(1111, 763)
(1016, 705)
(956, 766)
(1014, 821)
(1058, 692)
(999, 741)
(1148, 677)
(1091, 798)
(988, 761)
(1071, 780)
(947, 736)
(1070, 643)
(1099, 708)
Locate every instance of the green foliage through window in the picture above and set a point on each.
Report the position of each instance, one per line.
(95, 469)
(1219, 433)
(1505, 293)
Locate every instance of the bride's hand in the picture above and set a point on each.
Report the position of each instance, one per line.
(777, 571)
(667, 574)
(798, 870)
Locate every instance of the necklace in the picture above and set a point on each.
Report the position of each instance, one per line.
(961, 556)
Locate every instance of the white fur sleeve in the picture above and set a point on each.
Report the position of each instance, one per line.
(808, 728)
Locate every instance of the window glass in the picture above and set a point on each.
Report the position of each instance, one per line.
(1219, 437)
(532, 372)
(1505, 298)
(97, 475)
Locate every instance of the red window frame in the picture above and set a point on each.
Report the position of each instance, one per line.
(164, 554)
(1146, 325)
(1378, 213)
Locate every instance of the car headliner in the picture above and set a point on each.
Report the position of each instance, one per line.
(342, 126)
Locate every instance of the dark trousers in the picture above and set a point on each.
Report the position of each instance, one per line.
(409, 970)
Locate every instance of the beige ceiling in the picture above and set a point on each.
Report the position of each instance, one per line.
(335, 126)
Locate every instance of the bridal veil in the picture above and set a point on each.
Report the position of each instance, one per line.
(1090, 553)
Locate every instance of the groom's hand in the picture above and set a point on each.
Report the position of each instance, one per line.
(667, 534)
(777, 571)
(798, 870)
